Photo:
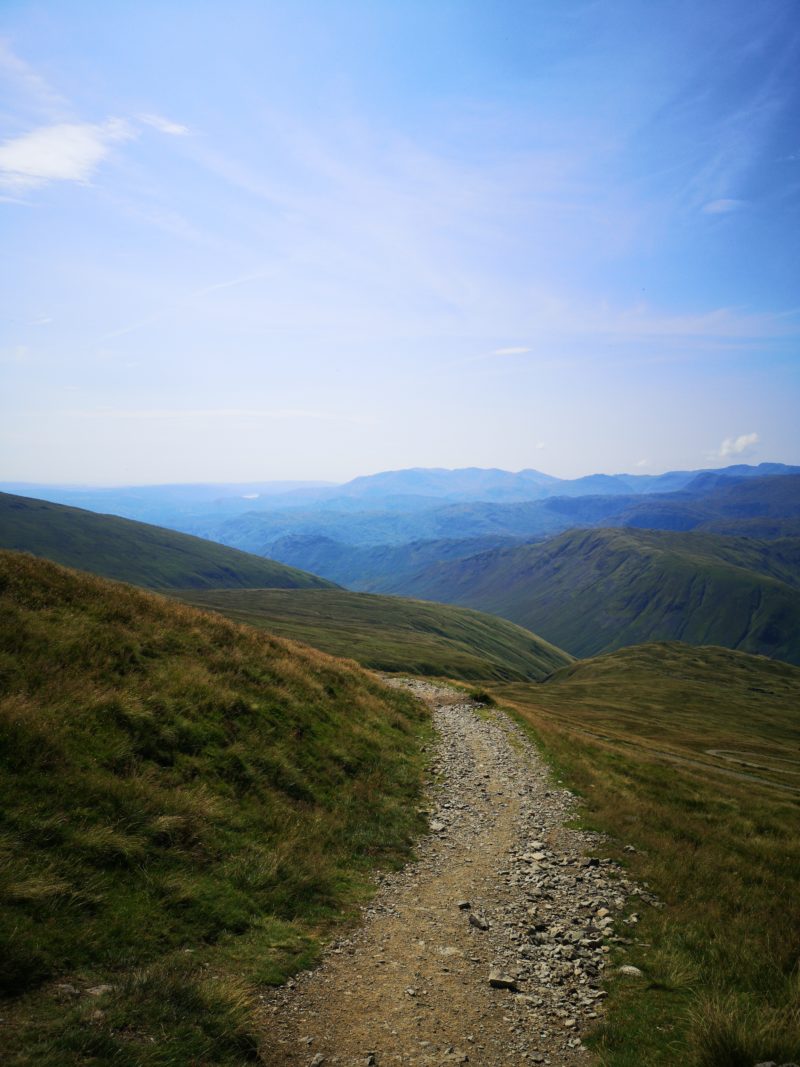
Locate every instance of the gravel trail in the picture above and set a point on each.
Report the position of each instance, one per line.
(490, 947)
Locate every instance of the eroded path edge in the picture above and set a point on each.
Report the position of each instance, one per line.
(489, 948)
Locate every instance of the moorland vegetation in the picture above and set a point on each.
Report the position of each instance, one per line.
(187, 804)
(191, 803)
(393, 633)
(687, 759)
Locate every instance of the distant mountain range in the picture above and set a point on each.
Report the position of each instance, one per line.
(374, 550)
(384, 632)
(202, 508)
(499, 486)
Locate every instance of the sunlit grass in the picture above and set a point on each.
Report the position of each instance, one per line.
(719, 845)
(185, 806)
(392, 633)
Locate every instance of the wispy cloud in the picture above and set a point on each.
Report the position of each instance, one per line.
(18, 74)
(150, 320)
(163, 125)
(723, 206)
(730, 147)
(62, 149)
(642, 322)
(68, 151)
(514, 350)
(737, 446)
(270, 414)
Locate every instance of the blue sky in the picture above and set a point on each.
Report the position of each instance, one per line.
(318, 239)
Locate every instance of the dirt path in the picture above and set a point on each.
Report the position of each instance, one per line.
(500, 888)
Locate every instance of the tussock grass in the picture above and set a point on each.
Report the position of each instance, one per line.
(637, 734)
(182, 800)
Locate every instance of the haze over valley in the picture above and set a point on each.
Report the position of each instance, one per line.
(399, 534)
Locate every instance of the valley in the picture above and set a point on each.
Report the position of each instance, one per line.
(400, 534)
(591, 591)
(206, 783)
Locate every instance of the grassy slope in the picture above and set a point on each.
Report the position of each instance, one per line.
(590, 591)
(392, 634)
(767, 528)
(369, 568)
(182, 800)
(716, 834)
(135, 552)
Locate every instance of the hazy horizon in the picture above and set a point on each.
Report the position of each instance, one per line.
(302, 241)
(319, 483)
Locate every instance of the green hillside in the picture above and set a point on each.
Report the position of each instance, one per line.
(591, 591)
(136, 552)
(765, 528)
(184, 805)
(687, 759)
(393, 634)
(368, 568)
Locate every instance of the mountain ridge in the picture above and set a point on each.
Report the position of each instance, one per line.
(593, 591)
(198, 502)
(127, 550)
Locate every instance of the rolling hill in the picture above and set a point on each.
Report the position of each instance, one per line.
(167, 843)
(390, 633)
(135, 552)
(367, 568)
(590, 591)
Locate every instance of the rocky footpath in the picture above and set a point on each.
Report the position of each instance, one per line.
(491, 947)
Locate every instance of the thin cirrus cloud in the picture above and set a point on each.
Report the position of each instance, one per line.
(164, 125)
(67, 151)
(273, 414)
(514, 350)
(723, 206)
(737, 446)
(20, 78)
(176, 305)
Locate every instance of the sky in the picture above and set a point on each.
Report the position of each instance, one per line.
(323, 238)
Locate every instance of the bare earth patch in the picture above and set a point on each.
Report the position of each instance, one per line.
(490, 947)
